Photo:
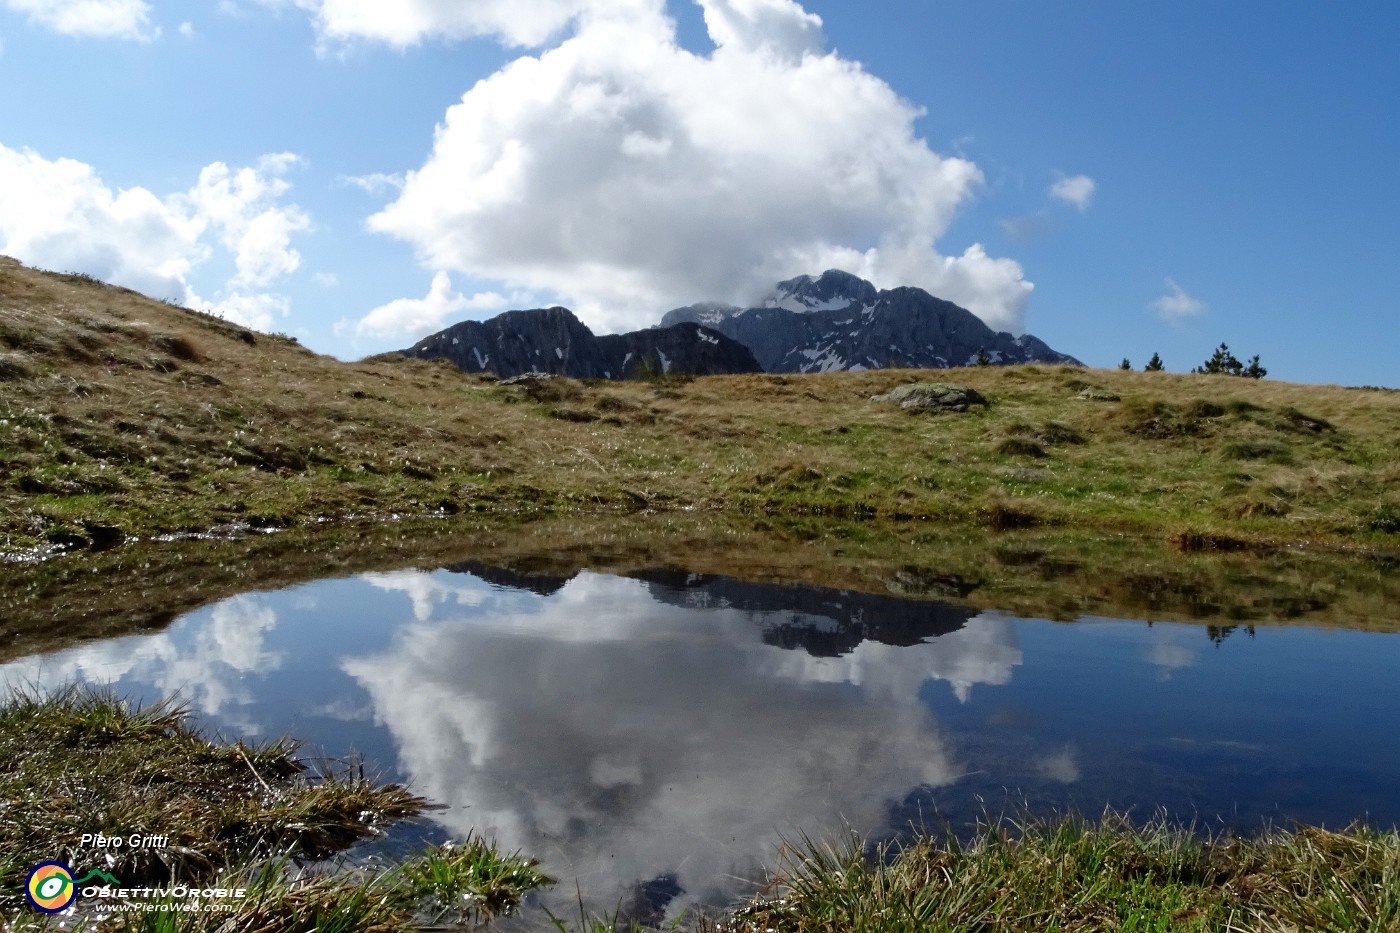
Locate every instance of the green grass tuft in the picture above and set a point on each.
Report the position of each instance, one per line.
(84, 761)
(1074, 876)
(237, 816)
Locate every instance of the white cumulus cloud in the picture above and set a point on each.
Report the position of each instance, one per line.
(1077, 191)
(242, 205)
(1176, 304)
(60, 214)
(116, 19)
(778, 26)
(411, 318)
(624, 175)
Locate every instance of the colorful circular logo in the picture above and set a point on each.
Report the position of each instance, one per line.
(50, 887)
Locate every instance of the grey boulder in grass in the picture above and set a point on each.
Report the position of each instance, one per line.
(932, 396)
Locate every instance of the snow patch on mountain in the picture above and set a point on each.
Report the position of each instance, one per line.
(822, 360)
(800, 305)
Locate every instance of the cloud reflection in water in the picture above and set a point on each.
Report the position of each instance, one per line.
(623, 738)
(207, 671)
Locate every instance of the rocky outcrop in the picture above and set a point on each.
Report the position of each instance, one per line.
(932, 396)
(553, 340)
(841, 322)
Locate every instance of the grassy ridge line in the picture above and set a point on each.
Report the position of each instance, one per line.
(122, 416)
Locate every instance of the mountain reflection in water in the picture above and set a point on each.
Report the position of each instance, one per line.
(657, 736)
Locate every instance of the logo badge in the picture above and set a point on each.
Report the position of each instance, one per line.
(50, 887)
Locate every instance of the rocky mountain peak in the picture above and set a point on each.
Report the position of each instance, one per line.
(833, 290)
(839, 321)
(834, 321)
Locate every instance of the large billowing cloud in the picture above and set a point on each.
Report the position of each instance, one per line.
(60, 214)
(625, 175)
(117, 19)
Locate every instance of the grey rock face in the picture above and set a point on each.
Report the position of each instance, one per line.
(841, 322)
(686, 347)
(531, 378)
(548, 340)
(553, 340)
(932, 396)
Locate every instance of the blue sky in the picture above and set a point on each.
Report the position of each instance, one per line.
(362, 172)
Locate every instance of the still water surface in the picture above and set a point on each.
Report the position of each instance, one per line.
(662, 733)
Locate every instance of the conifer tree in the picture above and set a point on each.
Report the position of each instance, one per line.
(1125, 364)
(1224, 362)
(1154, 365)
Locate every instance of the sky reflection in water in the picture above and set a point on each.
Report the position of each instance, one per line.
(626, 729)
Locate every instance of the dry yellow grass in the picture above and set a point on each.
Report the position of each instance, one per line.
(124, 416)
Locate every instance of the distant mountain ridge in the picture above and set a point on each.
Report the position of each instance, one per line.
(839, 321)
(553, 340)
(836, 321)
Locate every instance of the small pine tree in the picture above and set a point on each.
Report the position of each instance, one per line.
(1221, 362)
(1125, 364)
(1224, 362)
(982, 358)
(1154, 365)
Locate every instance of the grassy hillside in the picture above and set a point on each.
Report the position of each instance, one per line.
(122, 416)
